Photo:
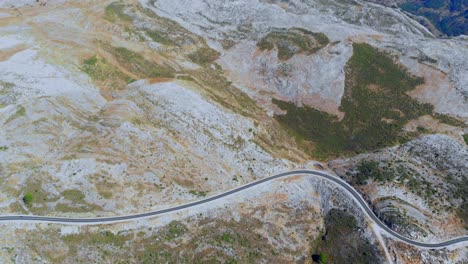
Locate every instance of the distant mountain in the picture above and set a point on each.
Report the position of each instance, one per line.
(442, 17)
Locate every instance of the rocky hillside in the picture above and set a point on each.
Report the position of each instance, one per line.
(416, 188)
(117, 107)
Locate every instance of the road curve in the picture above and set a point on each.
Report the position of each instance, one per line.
(340, 182)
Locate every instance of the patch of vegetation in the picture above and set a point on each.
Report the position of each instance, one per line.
(34, 188)
(175, 229)
(20, 111)
(41, 198)
(204, 56)
(167, 31)
(133, 33)
(323, 258)
(207, 240)
(138, 121)
(115, 13)
(293, 41)
(138, 65)
(97, 239)
(422, 130)
(5, 87)
(446, 119)
(375, 103)
(465, 137)
(227, 238)
(400, 222)
(104, 188)
(75, 196)
(159, 37)
(342, 242)
(221, 91)
(385, 172)
(68, 208)
(28, 199)
(185, 78)
(198, 193)
(461, 192)
(91, 61)
(371, 170)
(100, 70)
(3, 148)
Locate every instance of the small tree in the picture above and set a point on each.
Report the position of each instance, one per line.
(323, 258)
(28, 198)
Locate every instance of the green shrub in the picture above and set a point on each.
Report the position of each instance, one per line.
(226, 237)
(28, 199)
(176, 229)
(91, 61)
(198, 193)
(323, 258)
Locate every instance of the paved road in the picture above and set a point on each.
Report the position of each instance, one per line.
(340, 182)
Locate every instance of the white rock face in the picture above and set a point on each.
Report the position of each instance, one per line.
(313, 80)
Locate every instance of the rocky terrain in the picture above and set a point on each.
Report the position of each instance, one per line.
(292, 220)
(117, 107)
(418, 188)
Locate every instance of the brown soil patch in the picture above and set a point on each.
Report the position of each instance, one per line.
(377, 37)
(436, 126)
(325, 105)
(8, 53)
(292, 178)
(159, 80)
(388, 120)
(375, 88)
(452, 226)
(405, 253)
(432, 80)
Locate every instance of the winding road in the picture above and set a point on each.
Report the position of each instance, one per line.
(107, 220)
